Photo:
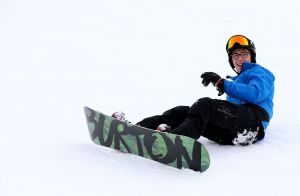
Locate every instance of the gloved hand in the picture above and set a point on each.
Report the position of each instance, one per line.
(209, 77)
(215, 79)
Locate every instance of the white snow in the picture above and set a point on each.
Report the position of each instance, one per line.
(141, 57)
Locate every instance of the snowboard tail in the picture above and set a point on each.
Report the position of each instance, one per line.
(170, 149)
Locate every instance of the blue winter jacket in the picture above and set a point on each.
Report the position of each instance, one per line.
(254, 85)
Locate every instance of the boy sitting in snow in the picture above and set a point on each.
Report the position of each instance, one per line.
(240, 119)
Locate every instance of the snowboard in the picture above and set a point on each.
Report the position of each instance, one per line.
(174, 150)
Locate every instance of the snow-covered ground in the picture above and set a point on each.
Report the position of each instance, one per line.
(142, 57)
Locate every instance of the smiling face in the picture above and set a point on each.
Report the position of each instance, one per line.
(239, 56)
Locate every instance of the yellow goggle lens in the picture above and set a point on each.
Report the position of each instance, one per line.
(237, 39)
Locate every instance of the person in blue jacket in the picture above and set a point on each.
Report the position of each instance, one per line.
(242, 118)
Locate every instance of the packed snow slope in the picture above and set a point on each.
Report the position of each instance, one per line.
(141, 57)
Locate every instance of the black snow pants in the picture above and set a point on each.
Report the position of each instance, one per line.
(216, 120)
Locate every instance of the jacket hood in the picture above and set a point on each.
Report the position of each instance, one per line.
(248, 65)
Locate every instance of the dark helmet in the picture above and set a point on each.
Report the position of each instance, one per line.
(240, 41)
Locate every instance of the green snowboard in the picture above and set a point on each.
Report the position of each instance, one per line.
(170, 149)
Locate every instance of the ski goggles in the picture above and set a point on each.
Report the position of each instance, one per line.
(237, 39)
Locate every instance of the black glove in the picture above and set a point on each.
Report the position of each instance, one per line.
(215, 79)
(209, 77)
